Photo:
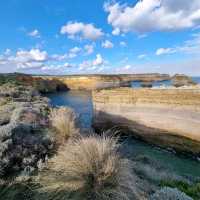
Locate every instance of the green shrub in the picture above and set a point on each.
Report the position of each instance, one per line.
(192, 190)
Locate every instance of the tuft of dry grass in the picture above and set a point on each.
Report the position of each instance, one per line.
(64, 120)
(89, 168)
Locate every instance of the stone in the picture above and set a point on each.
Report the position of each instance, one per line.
(165, 117)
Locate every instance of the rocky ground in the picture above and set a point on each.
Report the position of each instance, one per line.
(24, 141)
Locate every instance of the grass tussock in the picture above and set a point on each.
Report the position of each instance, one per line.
(89, 169)
(64, 120)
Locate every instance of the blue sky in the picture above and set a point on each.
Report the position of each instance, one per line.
(78, 37)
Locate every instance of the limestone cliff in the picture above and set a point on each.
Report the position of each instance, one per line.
(91, 82)
(166, 117)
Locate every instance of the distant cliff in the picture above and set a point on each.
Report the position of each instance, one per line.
(166, 117)
(91, 82)
(80, 82)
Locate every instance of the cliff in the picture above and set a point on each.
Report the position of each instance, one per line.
(179, 80)
(92, 82)
(165, 117)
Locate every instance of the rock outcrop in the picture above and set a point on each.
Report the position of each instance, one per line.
(180, 80)
(24, 139)
(165, 117)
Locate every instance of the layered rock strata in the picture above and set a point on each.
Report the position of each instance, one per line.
(92, 82)
(165, 117)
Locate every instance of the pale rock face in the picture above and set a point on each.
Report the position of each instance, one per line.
(166, 117)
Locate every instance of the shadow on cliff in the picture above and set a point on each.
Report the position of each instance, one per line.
(103, 122)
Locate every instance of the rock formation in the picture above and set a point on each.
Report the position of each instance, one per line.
(179, 80)
(91, 82)
(24, 141)
(165, 117)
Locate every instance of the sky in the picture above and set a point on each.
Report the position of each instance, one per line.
(99, 36)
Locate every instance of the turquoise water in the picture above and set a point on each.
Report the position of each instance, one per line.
(81, 102)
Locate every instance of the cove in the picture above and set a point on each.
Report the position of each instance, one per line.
(81, 102)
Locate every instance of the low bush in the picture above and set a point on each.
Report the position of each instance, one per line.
(64, 120)
(192, 190)
(89, 168)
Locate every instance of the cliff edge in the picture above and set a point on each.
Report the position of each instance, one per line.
(165, 117)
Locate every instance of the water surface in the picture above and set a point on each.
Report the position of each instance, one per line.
(81, 102)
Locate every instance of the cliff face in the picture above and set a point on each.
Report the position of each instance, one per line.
(168, 117)
(87, 82)
(179, 80)
(91, 82)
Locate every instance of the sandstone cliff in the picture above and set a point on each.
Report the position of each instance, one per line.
(166, 117)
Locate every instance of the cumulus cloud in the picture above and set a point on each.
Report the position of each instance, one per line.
(32, 55)
(98, 61)
(81, 30)
(30, 59)
(107, 44)
(92, 64)
(23, 59)
(153, 15)
(35, 33)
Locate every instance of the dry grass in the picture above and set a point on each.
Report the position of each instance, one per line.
(64, 120)
(89, 169)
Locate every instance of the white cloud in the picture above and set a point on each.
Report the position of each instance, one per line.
(153, 15)
(35, 33)
(123, 44)
(98, 61)
(81, 30)
(191, 46)
(29, 65)
(57, 68)
(142, 56)
(58, 57)
(107, 44)
(89, 49)
(75, 50)
(32, 55)
(68, 65)
(72, 53)
(116, 31)
(92, 64)
(162, 51)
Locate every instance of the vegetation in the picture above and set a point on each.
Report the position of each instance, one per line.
(89, 168)
(167, 193)
(9, 78)
(192, 190)
(64, 120)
